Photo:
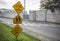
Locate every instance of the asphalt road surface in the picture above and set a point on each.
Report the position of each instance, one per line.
(49, 30)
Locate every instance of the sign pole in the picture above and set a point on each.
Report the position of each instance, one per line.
(17, 20)
(16, 39)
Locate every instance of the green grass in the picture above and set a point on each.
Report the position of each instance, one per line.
(6, 35)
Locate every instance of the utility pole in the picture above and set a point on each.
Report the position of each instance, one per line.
(24, 4)
(24, 9)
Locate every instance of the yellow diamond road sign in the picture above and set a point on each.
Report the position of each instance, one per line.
(17, 30)
(18, 7)
(17, 20)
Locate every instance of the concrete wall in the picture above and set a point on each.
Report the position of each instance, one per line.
(31, 15)
(40, 15)
(53, 16)
(49, 16)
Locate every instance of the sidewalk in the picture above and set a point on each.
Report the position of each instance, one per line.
(42, 22)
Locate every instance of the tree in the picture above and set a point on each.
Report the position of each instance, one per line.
(50, 4)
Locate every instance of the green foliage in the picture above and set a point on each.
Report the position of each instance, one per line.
(51, 4)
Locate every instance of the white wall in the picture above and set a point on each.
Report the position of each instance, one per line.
(40, 15)
(31, 15)
(50, 16)
(53, 16)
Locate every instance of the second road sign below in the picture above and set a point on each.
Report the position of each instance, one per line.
(16, 30)
(18, 7)
(17, 20)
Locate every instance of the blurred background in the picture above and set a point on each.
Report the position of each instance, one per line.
(41, 18)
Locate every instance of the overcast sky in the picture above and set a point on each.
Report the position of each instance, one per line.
(30, 4)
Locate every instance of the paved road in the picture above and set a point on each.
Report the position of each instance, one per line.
(49, 30)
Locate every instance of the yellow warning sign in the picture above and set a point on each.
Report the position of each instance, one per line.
(17, 20)
(16, 30)
(18, 7)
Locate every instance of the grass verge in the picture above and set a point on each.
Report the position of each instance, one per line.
(6, 35)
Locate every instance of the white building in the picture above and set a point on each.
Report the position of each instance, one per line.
(9, 13)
